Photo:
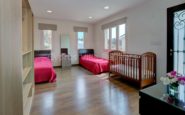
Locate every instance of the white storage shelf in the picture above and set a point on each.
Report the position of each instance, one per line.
(26, 52)
(26, 71)
(27, 107)
(26, 91)
(27, 57)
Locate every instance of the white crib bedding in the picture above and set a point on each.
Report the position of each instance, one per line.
(131, 71)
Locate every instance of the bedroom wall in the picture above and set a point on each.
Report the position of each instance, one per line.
(63, 28)
(146, 30)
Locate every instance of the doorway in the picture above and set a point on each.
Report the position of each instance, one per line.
(176, 39)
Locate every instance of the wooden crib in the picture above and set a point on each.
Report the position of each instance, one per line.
(137, 69)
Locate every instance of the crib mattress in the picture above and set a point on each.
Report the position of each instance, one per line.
(131, 71)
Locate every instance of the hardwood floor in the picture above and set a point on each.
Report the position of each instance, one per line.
(79, 92)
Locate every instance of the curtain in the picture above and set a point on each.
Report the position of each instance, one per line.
(80, 29)
(43, 26)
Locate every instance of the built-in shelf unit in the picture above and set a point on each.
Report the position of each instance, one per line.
(16, 57)
(27, 57)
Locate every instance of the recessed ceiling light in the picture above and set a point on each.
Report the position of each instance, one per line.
(49, 11)
(106, 7)
(90, 17)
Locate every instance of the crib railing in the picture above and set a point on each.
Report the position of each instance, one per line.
(148, 68)
(140, 69)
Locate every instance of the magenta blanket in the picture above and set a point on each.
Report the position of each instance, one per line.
(94, 64)
(44, 71)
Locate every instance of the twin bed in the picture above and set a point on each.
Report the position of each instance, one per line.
(43, 68)
(44, 71)
(94, 64)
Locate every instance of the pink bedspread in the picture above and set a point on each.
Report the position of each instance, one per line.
(94, 64)
(44, 71)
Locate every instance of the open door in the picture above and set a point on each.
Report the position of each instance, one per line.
(176, 38)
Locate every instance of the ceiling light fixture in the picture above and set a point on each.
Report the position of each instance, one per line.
(90, 17)
(49, 11)
(106, 7)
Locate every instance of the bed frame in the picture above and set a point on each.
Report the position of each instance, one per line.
(42, 53)
(95, 67)
(82, 52)
(139, 70)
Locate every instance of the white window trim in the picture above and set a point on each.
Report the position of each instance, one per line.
(117, 37)
(41, 37)
(105, 38)
(77, 40)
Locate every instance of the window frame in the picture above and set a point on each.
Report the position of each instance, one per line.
(124, 37)
(109, 39)
(43, 39)
(83, 39)
(117, 37)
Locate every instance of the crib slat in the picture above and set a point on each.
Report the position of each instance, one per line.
(128, 66)
(132, 68)
(136, 69)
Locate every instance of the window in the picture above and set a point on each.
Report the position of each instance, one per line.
(106, 35)
(117, 37)
(47, 37)
(121, 40)
(113, 38)
(114, 34)
(46, 34)
(80, 31)
(80, 37)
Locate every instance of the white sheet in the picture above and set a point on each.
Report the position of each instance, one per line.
(131, 71)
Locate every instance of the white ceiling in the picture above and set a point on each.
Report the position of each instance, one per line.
(80, 10)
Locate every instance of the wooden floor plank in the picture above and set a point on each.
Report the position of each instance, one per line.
(79, 92)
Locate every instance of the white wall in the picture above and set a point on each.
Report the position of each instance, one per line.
(146, 30)
(63, 28)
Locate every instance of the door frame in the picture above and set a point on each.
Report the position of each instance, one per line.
(170, 34)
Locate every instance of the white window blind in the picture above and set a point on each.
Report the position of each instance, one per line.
(46, 34)
(43, 26)
(80, 32)
(80, 29)
(46, 39)
(114, 23)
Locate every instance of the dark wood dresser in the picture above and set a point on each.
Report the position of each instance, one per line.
(155, 100)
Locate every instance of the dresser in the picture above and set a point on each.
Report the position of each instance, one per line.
(155, 100)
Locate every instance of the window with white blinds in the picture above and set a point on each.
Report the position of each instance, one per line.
(80, 33)
(46, 34)
(114, 35)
